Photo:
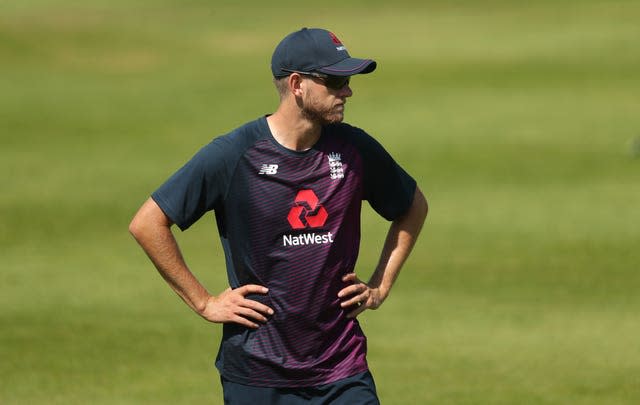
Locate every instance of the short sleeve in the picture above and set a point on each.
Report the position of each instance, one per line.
(388, 188)
(197, 187)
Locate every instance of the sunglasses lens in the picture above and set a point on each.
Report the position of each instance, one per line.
(337, 82)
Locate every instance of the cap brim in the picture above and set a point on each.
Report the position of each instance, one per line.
(349, 66)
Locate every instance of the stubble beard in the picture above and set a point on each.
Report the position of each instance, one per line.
(322, 116)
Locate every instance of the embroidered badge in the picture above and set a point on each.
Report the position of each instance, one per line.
(335, 166)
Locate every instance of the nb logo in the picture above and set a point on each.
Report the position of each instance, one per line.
(307, 212)
(268, 169)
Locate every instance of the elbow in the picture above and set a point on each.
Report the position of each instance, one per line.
(139, 225)
(420, 204)
(148, 221)
(135, 227)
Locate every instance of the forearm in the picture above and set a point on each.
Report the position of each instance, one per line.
(399, 242)
(152, 230)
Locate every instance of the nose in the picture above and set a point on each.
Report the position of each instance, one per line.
(346, 91)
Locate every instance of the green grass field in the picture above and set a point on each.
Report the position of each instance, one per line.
(517, 119)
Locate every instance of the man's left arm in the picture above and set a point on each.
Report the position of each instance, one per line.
(400, 239)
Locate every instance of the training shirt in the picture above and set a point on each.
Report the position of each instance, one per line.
(289, 221)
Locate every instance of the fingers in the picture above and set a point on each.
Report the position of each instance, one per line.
(355, 295)
(353, 290)
(248, 311)
(245, 316)
(359, 299)
(244, 322)
(355, 287)
(231, 306)
(360, 309)
(255, 310)
(251, 289)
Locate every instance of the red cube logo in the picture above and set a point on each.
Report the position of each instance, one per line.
(307, 212)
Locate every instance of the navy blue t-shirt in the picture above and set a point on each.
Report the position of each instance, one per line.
(289, 221)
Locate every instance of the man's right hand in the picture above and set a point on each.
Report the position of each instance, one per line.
(231, 306)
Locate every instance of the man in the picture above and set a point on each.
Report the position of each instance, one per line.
(287, 190)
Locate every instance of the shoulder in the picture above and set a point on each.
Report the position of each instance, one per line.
(346, 130)
(239, 139)
(359, 138)
(351, 134)
(229, 147)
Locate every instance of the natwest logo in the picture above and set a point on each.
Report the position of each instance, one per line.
(307, 212)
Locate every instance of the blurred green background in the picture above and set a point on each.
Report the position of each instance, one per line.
(520, 121)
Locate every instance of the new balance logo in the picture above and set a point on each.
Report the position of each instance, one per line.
(336, 41)
(268, 169)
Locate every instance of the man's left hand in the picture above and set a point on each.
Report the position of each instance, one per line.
(359, 295)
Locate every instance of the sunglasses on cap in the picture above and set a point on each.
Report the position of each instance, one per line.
(332, 82)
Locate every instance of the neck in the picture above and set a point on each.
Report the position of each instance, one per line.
(293, 131)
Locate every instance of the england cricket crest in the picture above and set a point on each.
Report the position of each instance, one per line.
(335, 166)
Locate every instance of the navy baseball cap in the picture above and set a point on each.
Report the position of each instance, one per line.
(316, 50)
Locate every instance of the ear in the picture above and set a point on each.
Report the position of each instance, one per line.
(295, 84)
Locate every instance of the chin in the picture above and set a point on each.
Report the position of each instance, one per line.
(334, 119)
(323, 117)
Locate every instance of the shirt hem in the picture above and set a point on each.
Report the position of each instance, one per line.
(311, 382)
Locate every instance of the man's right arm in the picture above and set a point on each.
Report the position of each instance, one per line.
(152, 230)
